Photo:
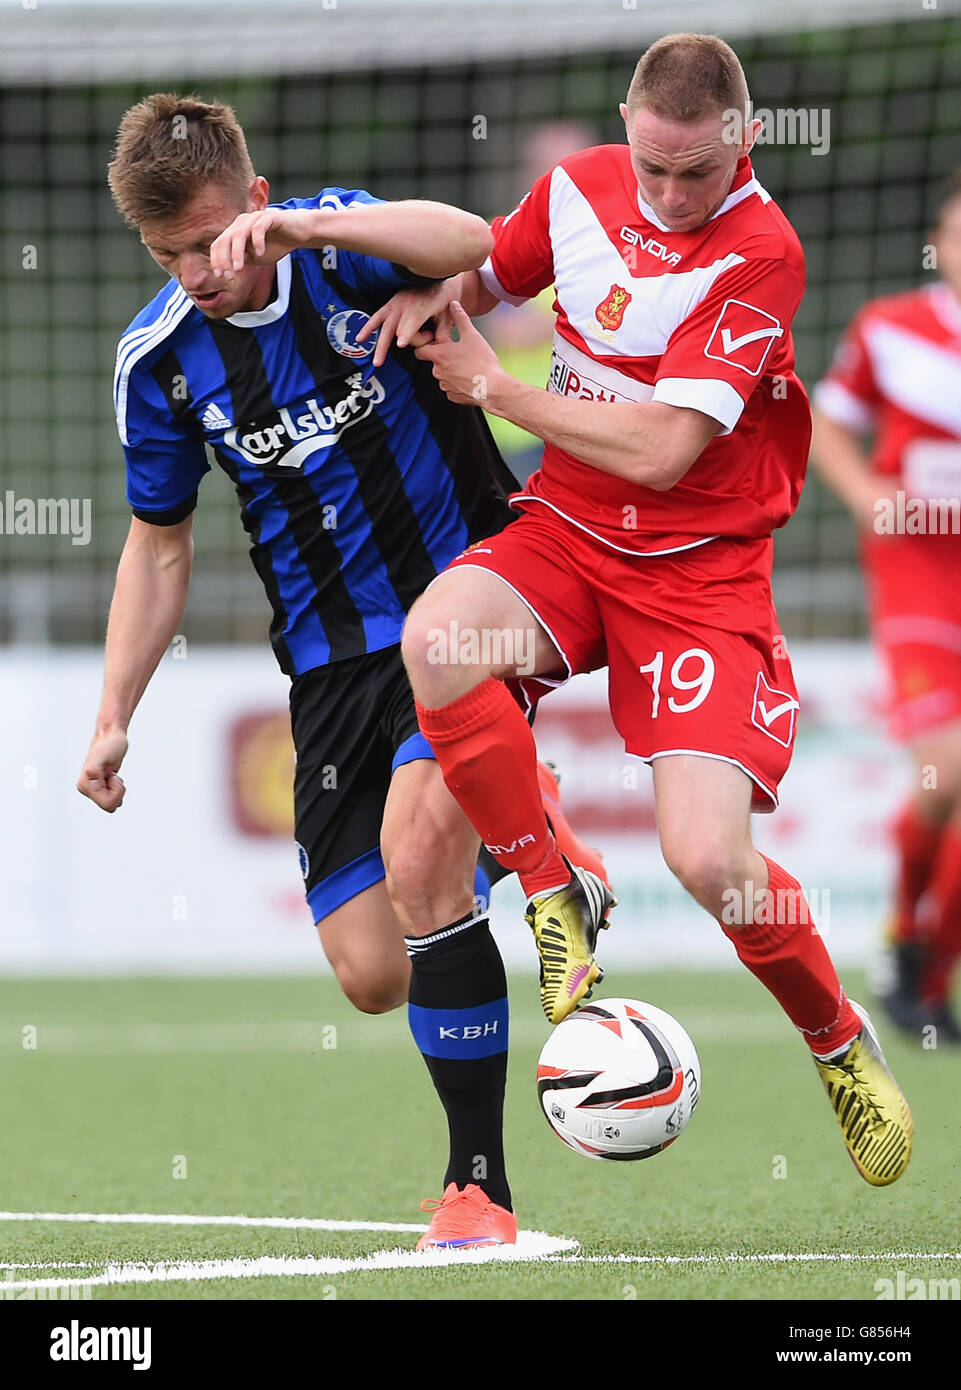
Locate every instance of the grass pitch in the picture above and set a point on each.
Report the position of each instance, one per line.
(272, 1098)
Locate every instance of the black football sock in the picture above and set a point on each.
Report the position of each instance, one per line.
(458, 1015)
(489, 866)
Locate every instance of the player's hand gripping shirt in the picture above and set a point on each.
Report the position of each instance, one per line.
(356, 486)
(897, 374)
(700, 318)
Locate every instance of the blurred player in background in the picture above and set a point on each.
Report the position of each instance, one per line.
(676, 440)
(896, 376)
(356, 485)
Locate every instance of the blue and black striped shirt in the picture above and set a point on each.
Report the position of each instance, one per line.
(356, 485)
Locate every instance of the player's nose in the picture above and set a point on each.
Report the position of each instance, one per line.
(194, 273)
(674, 197)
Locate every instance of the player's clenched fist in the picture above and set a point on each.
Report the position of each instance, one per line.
(99, 779)
(259, 238)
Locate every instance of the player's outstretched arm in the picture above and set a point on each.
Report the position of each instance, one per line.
(148, 603)
(650, 443)
(431, 239)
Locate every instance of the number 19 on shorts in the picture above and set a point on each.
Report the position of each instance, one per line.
(692, 671)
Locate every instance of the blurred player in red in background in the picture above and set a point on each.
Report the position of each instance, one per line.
(676, 440)
(897, 377)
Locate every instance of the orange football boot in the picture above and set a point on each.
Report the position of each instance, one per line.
(567, 842)
(466, 1220)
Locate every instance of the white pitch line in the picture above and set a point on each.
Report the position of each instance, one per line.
(766, 1258)
(531, 1245)
(52, 1264)
(313, 1223)
(135, 1218)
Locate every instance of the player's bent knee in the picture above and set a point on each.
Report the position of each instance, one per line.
(705, 868)
(373, 994)
(423, 647)
(415, 638)
(456, 636)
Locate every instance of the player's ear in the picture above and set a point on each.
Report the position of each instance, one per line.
(259, 195)
(751, 131)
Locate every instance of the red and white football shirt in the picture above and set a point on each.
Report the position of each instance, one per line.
(700, 318)
(897, 374)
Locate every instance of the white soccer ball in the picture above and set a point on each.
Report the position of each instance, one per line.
(618, 1079)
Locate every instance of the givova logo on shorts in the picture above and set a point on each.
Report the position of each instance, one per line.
(774, 712)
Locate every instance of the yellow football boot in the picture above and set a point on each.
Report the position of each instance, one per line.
(565, 924)
(873, 1114)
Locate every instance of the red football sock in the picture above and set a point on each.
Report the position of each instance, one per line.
(790, 959)
(917, 841)
(486, 751)
(944, 939)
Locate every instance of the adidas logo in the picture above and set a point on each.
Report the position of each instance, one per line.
(214, 418)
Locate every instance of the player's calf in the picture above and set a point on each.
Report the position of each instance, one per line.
(428, 889)
(429, 849)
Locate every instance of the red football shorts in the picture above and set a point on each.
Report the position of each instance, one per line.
(914, 597)
(696, 660)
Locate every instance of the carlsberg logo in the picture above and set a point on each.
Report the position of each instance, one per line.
(287, 439)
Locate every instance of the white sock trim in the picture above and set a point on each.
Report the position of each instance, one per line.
(416, 945)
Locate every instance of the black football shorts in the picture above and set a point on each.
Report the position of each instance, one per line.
(353, 723)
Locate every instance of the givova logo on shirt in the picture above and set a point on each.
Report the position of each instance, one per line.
(743, 335)
(286, 439)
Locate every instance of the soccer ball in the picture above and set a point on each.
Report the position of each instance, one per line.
(618, 1079)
